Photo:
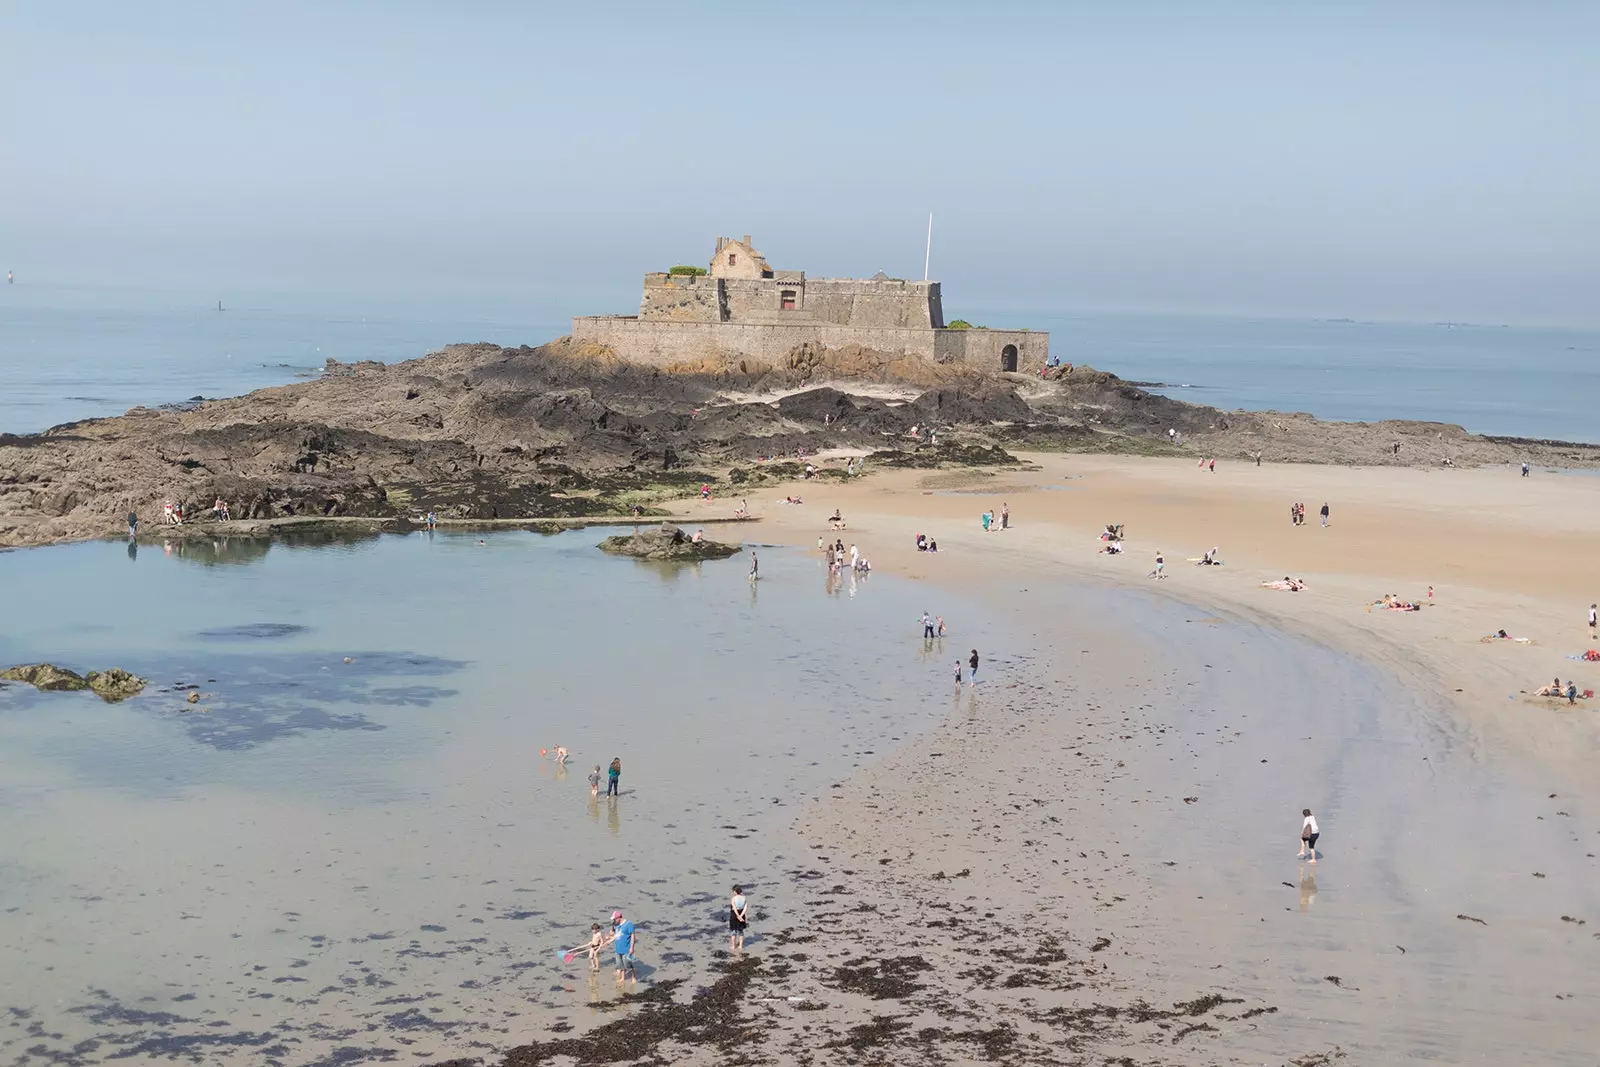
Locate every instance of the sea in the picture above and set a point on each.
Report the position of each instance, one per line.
(334, 828)
(77, 352)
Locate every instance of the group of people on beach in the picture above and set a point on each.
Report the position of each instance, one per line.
(992, 523)
(838, 559)
(622, 938)
(1297, 514)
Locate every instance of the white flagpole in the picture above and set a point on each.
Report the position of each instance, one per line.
(927, 255)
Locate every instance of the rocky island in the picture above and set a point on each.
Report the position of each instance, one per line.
(667, 543)
(569, 429)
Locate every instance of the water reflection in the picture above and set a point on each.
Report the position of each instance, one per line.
(1308, 888)
(217, 551)
(223, 549)
(613, 821)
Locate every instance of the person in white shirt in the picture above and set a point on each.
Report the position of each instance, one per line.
(1308, 835)
(1594, 616)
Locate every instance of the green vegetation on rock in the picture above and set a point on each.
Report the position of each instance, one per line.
(686, 269)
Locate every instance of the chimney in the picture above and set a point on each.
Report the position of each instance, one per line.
(747, 240)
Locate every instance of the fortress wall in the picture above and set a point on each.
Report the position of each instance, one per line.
(679, 298)
(864, 302)
(661, 343)
(759, 299)
(986, 348)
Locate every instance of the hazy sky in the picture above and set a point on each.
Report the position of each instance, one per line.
(1392, 160)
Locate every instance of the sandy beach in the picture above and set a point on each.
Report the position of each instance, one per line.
(1093, 859)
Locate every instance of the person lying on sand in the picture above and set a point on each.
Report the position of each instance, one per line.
(1111, 548)
(1293, 585)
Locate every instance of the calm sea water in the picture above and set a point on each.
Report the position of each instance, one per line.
(321, 858)
(72, 353)
(1511, 381)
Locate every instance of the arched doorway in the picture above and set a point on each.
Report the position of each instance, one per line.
(1008, 358)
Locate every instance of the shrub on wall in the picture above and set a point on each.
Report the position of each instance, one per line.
(683, 268)
(962, 324)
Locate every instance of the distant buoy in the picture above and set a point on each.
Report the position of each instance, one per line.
(347, 659)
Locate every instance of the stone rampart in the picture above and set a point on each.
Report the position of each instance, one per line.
(660, 343)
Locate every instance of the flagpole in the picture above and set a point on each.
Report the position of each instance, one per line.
(927, 255)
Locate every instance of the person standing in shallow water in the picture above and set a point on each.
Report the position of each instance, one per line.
(1309, 833)
(613, 776)
(973, 663)
(133, 525)
(1324, 515)
(738, 919)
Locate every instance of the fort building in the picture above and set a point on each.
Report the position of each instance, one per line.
(741, 307)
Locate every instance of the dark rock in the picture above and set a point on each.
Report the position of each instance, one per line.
(115, 684)
(666, 542)
(110, 685)
(46, 676)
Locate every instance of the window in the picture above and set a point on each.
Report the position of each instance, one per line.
(731, 258)
(786, 299)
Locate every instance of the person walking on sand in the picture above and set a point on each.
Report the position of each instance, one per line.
(738, 919)
(625, 943)
(1161, 567)
(1324, 515)
(1308, 835)
(613, 777)
(1005, 516)
(1524, 468)
(973, 663)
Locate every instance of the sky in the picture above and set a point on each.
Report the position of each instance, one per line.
(1402, 161)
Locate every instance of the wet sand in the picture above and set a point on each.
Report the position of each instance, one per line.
(1094, 857)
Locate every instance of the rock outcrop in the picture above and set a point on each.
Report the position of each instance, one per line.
(560, 431)
(667, 543)
(115, 684)
(46, 676)
(110, 685)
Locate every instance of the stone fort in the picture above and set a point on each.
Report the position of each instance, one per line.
(743, 308)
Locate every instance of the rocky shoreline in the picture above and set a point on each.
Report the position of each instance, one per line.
(566, 432)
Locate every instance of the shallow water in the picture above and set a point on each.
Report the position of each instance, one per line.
(320, 858)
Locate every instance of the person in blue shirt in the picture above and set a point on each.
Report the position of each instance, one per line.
(624, 941)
